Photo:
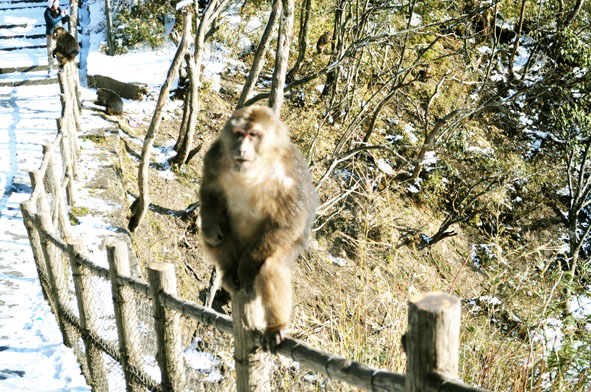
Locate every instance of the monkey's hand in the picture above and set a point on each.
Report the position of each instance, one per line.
(212, 235)
(272, 338)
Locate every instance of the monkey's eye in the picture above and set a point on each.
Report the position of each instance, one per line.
(238, 131)
(254, 134)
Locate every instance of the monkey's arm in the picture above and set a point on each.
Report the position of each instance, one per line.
(213, 217)
(214, 220)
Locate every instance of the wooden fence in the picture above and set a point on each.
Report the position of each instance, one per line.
(150, 314)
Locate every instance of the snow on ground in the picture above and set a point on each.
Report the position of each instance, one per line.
(32, 356)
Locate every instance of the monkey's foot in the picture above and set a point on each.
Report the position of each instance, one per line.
(272, 338)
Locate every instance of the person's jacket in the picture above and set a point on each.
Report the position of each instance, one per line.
(51, 22)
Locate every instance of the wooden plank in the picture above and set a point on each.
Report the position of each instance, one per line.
(10, 49)
(24, 47)
(9, 8)
(28, 68)
(23, 1)
(12, 26)
(25, 36)
(28, 82)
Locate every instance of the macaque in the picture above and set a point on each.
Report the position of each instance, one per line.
(66, 46)
(110, 100)
(323, 42)
(257, 208)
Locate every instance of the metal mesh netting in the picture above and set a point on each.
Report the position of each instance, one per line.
(206, 354)
(208, 358)
(145, 335)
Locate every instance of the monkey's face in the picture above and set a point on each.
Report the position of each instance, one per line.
(245, 146)
(251, 136)
(58, 31)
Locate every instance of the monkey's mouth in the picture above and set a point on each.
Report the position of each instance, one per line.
(241, 163)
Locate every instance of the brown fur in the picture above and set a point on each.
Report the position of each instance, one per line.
(66, 46)
(323, 42)
(257, 208)
(110, 100)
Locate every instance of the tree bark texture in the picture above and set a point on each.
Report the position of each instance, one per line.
(140, 205)
(432, 341)
(302, 38)
(283, 44)
(259, 57)
(252, 364)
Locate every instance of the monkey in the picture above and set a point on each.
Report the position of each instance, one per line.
(257, 209)
(323, 42)
(110, 100)
(66, 46)
(424, 73)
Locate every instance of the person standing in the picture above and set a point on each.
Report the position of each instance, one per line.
(54, 17)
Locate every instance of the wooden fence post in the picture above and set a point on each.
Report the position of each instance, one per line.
(71, 76)
(60, 212)
(49, 183)
(161, 277)
(67, 157)
(432, 341)
(33, 233)
(55, 273)
(252, 364)
(124, 311)
(88, 319)
(72, 126)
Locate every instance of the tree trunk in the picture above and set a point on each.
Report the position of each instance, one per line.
(573, 14)
(302, 38)
(194, 71)
(73, 22)
(283, 44)
(259, 57)
(110, 48)
(184, 122)
(191, 121)
(140, 205)
(331, 77)
(517, 38)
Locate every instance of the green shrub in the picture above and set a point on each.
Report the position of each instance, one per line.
(142, 23)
